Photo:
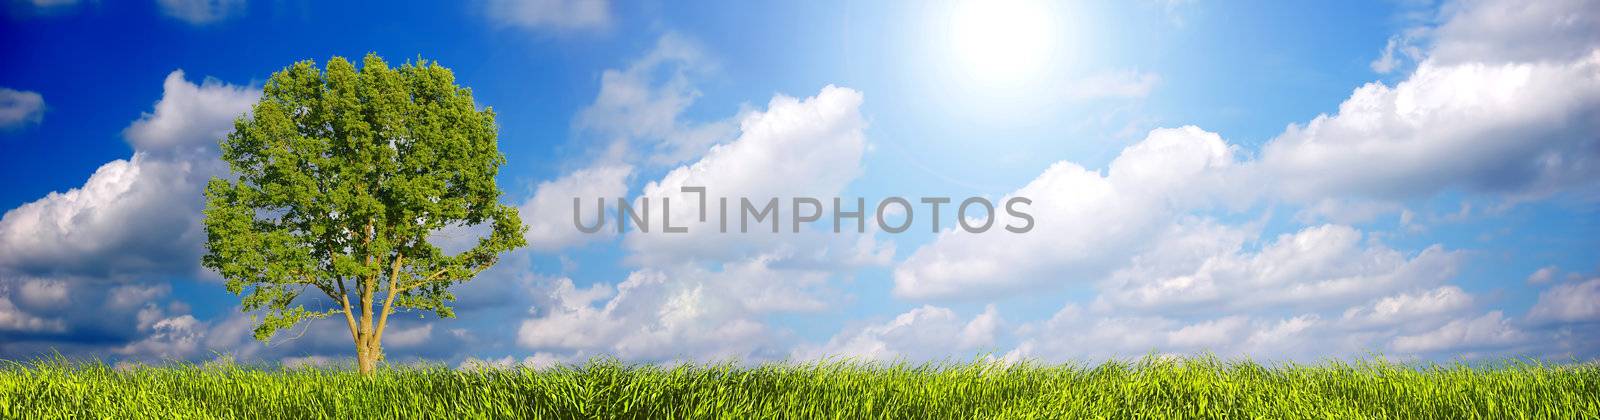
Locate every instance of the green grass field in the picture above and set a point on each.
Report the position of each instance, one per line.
(1152, 388)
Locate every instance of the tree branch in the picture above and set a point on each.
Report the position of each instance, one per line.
(348, 318)
(388, 301)
(344, 302)
(431, 278)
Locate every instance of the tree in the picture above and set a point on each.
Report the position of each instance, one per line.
(340, 178)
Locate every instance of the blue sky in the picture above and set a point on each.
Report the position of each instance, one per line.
(1285, 181)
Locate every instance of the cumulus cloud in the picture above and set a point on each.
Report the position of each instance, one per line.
(166, 334)
(1476, 114)
(549, 212)
(697, 295)
(682, 313)
(1501, 101)
(1516, 31)
(921, 334)
(1518, 128)
(796, 147)
(131, 216)
(401, 338)
(1568, 302)
(1401, 48)
(77, 314)
(1412, 325)
(538, 360)
(639, 108)
(1088, 223)
(1316, 267)
(1167, 280)
(637, 115)
(553, 15)
(138, 215)
(1488, 332)
(109, 243)
(808, 147)
(174, 338)
(201, 12)
(13, 319)
(1409, 308)
(1076, 334)
(1508, 124)
(190, 115)
(1543, 275)
(20, 108)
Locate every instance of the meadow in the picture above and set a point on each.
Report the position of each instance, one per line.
(1149, 388)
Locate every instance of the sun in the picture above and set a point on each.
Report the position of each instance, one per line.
(1002, 42)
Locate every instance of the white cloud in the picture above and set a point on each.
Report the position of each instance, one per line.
(1316, 267)
(400, 338)
(681, 313)
(1087, 224)
(1568, 302)
(1520, 31)
(1518, 128)
(189, 115)
(16, 320)
(698, 295)
(796, 148)
(555, 15)
(1210, 334)
(638, 115)
(1074, 334)
(1167, 280)
(138, 215)
(1543, 275)
(201, 12)
(921, 334)
(1501, 101)
(1521, 128)
(639, 108)
(19, 108)
(538, 360)
(1400, 48)
(1492, 31)
(135, 295)
(174, 338)
(1490, 331)
(549, 212)
(131, 216)
(1408, 309)
(1347, 211)
(43, 293)
(108, 243)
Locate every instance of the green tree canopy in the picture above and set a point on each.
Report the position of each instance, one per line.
(340, 178)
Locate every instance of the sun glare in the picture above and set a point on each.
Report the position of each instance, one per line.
(1002, 42)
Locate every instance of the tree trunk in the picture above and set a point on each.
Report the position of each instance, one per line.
(367, 358)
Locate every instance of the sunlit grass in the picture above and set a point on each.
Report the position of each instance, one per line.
(1154, 388)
